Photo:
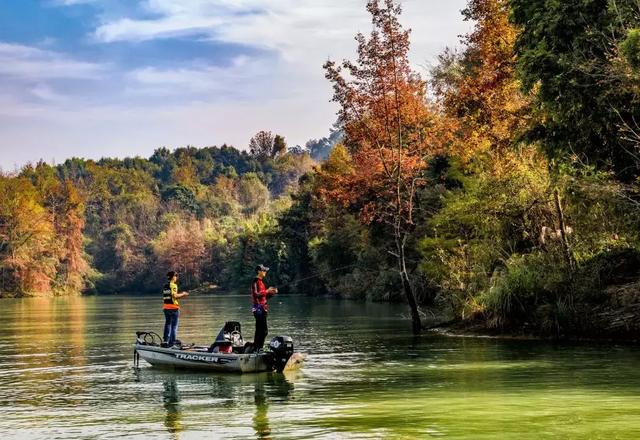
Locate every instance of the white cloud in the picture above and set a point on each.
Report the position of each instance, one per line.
(30, 63)
(300, 34)
(72, 2)
(230, 80)
(293, 28)
(47, 93)
(199, 102)
(140, 30)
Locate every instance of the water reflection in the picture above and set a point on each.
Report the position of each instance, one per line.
(66, 373)
(261, 418)
(173, 415)
(239, 405)
(277, 387)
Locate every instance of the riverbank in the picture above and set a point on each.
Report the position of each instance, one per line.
(615, 319)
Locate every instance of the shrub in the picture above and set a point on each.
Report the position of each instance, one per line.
(630, 48)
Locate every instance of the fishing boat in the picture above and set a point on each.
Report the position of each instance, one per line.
(228, 353)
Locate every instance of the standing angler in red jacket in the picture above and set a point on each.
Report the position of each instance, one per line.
(260, 308)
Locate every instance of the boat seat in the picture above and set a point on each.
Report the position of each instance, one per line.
(229, 335)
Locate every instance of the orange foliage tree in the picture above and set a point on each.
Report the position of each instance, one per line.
(478, 89)
(390, 132)
(69, 227)
(27, 264)
(181, 247)
(65, 204)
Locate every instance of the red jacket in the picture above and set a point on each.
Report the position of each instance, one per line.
(259, 295)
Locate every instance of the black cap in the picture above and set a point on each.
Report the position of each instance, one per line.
(171, 274)
(261, 267)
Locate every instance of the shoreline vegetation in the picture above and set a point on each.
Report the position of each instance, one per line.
(503, 190)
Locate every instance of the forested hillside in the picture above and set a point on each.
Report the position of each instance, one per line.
(119, 225)
(502, 188)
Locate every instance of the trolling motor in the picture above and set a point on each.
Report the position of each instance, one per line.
(282, 349)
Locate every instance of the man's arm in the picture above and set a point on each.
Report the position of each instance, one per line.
(256, 292)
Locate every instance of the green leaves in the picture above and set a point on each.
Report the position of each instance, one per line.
(566, 54)
(630, 49)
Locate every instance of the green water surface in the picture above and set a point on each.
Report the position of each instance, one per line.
(66, 372)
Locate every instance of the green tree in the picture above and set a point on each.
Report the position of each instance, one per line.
(565, 52)
(252, 193)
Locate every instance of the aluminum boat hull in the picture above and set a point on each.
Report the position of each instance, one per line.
(201, 359)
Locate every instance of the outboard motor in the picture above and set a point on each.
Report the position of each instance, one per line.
(282, 349)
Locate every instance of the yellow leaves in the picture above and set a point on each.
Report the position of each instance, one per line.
(485, 99)
(181, 247)
(26, 237)
(339, 161)
(185, 173)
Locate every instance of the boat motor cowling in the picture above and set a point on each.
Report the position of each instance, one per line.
(282, 349)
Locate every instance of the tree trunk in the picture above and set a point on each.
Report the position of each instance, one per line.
(563, 233)
(416, 325)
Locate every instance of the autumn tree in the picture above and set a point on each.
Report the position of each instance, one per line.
(27, 240)
(390, 131)
(185, 172)
(252, 193)
(66, 206)
(479, 91)
(286, 170)
(69, 226)
(264, 145)
(181, 247)
(481, 95)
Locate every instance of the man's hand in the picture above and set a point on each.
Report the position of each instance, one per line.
(272, 290)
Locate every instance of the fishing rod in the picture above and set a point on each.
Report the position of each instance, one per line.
(363, 268)
(325, 273)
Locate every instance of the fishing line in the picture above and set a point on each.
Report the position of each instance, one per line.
(318, 275)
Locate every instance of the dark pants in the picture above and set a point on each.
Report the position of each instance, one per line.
(261, 329)
(171, 318)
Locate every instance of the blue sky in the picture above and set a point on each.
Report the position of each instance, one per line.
(96, 78)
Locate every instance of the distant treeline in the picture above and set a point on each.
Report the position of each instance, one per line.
(118, 225)
(504, 189)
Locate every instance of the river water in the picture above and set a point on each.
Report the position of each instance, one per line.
(66, 372)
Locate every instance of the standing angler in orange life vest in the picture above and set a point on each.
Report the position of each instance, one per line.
(259, 295)
(171, 308)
